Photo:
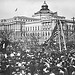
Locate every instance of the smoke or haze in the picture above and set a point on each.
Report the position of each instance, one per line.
(29, 7)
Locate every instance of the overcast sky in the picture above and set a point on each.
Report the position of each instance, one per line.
(29, 7)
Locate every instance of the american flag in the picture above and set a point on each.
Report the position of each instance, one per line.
(52, 41)
(54, 34)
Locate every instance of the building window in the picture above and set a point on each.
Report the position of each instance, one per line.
(33, 34)
(69, 27)
(14, 18)
(1, 20)
(38, 27)
(43, 33)
(38, 33)
(73, 27)
(23, 19)
(24, 33)
(26, 19)
(33, 28)
(46, 33)
(26, 28)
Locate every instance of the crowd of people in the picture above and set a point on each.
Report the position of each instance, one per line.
(18, 61)
(31, 62)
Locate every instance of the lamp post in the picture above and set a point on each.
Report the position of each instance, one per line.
(73, 19)
(73, 23)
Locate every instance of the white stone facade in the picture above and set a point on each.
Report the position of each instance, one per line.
(24, 26)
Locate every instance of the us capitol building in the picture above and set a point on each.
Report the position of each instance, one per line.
(41, 24)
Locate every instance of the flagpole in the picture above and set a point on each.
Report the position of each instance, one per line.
(59, 36)
(63, 36)
(16, 11)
